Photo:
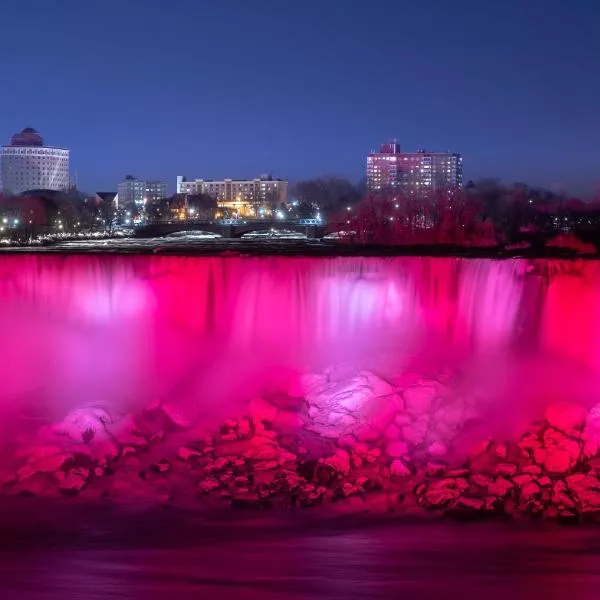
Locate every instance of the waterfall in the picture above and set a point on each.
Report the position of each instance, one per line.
(123, 328)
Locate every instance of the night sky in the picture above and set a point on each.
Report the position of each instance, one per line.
(217, 88)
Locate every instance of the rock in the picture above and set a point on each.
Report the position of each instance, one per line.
(288, 420)
(104, 447)
(530, 441)
(339, 407)
(208, 485)
(481, 480)
(465, 506)
(531, 470)
(458, 472)
(566, 416)
(179, 415)
(7, 478)
(126, 433)
(529, 491)
(399, 469)
(340, 462)
(188, 454)
(500, 487)
(44, 459)
(567, 517)
(403, 419)
(266, 465)
(348, 441)
(261, 410)
(442, 493)
(506, 469)
(484, 463)
(590, 448)
(397, 449)
(435, 468)
(437, 449)
(563, 501)
(39, 484)
(74, 481)
(586, 490)
(415, 434)
(561, 452)
(163, 466)
(367, 433)
(419, 399)
(392, 432)
(500, 450)
(220, 463)
(83, 423)
(522, 480)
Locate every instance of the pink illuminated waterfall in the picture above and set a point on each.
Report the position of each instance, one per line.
(75, 328)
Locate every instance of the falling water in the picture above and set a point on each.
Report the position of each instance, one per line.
(126, 329)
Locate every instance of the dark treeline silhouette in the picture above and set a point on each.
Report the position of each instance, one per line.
(45, 210)
(485, 212)
(482, 213)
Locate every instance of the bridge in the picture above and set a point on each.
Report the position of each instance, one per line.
(232, 228)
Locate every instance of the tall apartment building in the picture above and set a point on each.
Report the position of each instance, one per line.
(134, 190)
(156, 190)
(27, 164)
(245, 197)
(413, 173)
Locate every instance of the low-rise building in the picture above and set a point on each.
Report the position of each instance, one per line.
(241, 197)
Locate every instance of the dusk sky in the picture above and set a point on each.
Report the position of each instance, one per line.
(235, 88)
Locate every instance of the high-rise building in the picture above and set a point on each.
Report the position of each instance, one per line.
(244, 197)
(26, 164)
(412, 173)
(131, 190)
(156, 191)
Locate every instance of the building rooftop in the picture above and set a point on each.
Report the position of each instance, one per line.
(27, 137)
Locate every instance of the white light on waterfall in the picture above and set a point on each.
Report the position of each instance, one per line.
(16, 221)
(280, 215)
(5, 220)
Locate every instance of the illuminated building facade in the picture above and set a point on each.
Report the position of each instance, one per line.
(413, 173)
(27, 164)
(241, 197)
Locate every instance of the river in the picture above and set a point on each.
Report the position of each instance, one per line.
(149, 556)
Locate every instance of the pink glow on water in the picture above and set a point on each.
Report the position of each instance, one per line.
(211, 331)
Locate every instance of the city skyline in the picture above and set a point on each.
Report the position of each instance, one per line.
(509, 87)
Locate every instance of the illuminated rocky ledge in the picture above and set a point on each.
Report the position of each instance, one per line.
(342, 438)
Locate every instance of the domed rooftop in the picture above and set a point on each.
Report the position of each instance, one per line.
(27, 137)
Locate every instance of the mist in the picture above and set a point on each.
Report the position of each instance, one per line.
(209, 334)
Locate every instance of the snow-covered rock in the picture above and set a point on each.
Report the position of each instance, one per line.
(339, 407)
